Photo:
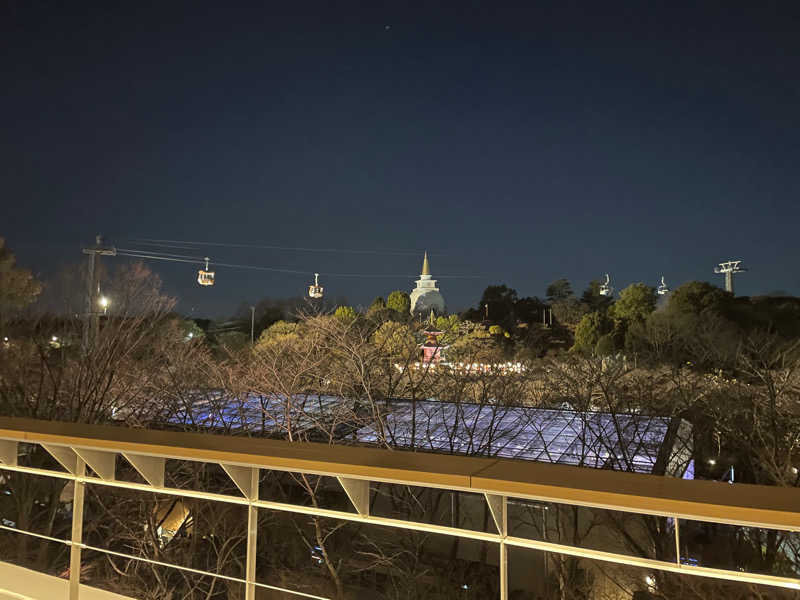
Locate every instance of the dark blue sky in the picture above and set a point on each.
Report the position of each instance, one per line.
(516, 142)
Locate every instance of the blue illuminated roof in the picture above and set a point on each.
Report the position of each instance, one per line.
(627, 442)
(264, 414)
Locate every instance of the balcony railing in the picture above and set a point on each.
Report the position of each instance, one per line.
(499, 481)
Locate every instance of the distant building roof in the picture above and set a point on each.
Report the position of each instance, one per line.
(426, 268)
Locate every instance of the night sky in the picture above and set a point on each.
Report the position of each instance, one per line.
(517, 143)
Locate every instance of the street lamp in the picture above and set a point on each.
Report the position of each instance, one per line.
(104, 302)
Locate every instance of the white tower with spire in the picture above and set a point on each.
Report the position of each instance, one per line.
(426, 297)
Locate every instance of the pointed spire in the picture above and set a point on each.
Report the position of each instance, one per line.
(426, 268)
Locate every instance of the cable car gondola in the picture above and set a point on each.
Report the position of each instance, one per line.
(204, 276)
(663, 289)
(605, 288)
(316, 290)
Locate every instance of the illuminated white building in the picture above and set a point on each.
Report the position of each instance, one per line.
(426, 296)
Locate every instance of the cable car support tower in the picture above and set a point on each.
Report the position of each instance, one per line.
(728, 269)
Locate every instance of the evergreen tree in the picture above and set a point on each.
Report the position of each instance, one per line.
(560, 289)
(635, 303)
(346, 313)
(400, 302)
(589, 331)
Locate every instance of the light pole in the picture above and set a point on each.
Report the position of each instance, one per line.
(104, 302)
(252, 324)
(91, 316)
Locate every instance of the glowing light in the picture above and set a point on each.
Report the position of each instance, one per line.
(104, 302)
(54, 338)
(712, 462)
(650, 581)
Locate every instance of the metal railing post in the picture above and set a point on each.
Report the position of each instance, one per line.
(77, 531)
(504, 551)
(677, 541)
(252, 537)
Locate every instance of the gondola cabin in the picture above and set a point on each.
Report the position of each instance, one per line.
(316, 290)
(605, 288)
(204, 276)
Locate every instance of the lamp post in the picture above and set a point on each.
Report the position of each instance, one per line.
(91, 315)
(104, 302)
(252, 324)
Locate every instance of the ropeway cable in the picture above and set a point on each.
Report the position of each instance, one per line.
(144, 254)
(159, 253)
(183, 244)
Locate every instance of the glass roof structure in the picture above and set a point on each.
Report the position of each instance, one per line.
(269, 415)
(626, 442)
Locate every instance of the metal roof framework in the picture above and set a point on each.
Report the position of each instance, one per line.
(75, 446)
(266, 414)
(627, 442)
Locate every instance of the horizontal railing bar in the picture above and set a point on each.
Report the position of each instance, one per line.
(37, 535)
(156, 562)
(376, 520)
(293, 508)
(340, 514)
(280, 506)
(643, 510)
(196, 571)
(751, 505)
(660, 565)
(587, 553)
(243, 501)
(280, 589)
(161, 563)
(38, 471)
(130, 485)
